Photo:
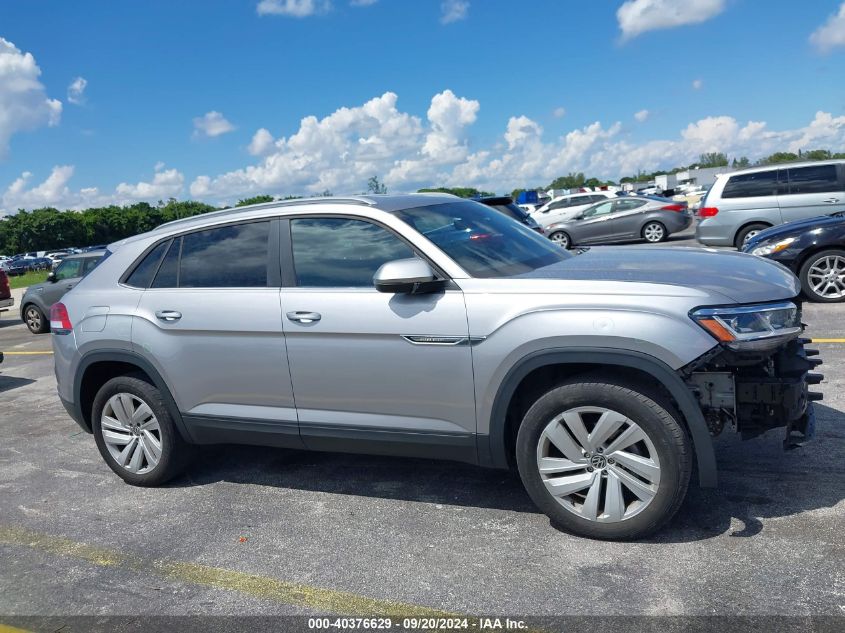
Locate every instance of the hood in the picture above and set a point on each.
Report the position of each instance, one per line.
(736, 276)
(791, 229)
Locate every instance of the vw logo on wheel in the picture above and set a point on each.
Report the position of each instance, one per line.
(598, 461)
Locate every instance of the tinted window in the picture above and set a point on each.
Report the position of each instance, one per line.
(600, 209)
(143, 273)
(815, 179)
(169, 269)
(560, 204)
(90, 263)
(341, 252)
(481, 241)
(763, 183)
(597, 198)
(627, 205)
(227, 257)
(69, 269)
(512, 211)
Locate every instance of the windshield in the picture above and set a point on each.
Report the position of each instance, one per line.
(481, 240)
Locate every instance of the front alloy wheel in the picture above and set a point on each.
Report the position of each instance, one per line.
(823, 276)
(604, 457)
(608, 474)
(560, 238)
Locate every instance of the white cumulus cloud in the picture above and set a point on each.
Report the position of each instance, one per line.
(642, 115)
(293, 8)
(76, 90)
(262, 142)
(55, 191)
(211, 124)
(453, 11)
(638, 16)
(831, 34)
(24, 104)
(559, 113)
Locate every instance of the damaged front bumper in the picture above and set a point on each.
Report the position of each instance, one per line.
(753, 392)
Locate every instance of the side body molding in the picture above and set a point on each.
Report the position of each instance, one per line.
(492, 449)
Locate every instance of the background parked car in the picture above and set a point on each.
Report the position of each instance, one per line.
(622, 219)
(6, 299)
(15, 267)
(813, 249)
(743, 203)
(506, 205)
(565, 207)
(39, 298)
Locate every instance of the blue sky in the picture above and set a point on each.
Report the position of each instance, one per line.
(527, 91)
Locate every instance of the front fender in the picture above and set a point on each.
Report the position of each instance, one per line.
(492, 447)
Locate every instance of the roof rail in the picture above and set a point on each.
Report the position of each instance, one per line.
(272, 205)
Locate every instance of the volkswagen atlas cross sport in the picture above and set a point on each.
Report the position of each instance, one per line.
(431, 326)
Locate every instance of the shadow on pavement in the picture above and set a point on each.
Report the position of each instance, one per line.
(7, 383)
(757, 480)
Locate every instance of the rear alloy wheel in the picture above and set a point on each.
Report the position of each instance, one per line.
(604, 459)
(747, 233)
(654, 232)
(823, 276)
(560, 238)
(35, 320)
(135, 432)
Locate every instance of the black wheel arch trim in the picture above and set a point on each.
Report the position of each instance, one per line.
(130, 358)
(492, 449)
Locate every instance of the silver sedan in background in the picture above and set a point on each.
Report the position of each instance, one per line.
(623, 219)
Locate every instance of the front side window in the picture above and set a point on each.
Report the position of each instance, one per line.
(761, 183)
(343, 252)
(481, 241)
(90, 263)
(815, 179)
(69, 269)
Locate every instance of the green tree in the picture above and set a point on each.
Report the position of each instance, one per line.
(571, 181)
(254, 200)
(778, 157)
(739, 163)
(713, 159)
(374, 186)
(817, 154)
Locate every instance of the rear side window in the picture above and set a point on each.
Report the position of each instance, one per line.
(815, 179)
(234, 256)
(227, 257)
(761, 183)
(142, 276)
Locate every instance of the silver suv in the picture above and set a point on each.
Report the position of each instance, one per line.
(430, 326)
(743, 203)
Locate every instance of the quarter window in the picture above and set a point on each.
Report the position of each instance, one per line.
(815, 179)
(342, 252)
(143, 273)
(761, 183)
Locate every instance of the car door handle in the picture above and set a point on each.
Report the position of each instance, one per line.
(304, 317)
(69, 286)
(168, 315)
(831, 200)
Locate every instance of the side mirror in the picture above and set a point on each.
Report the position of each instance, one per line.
(404, 276)
(51, 277)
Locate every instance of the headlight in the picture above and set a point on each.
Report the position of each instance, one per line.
(759, 327)
(771, 249)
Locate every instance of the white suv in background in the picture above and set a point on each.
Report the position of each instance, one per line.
(566, 207)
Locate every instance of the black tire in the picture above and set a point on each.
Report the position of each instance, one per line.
(176, 454)
(803, 275)
(562, 238)
(656, 417)
(35, 319)
(746, 230)
(664, 234)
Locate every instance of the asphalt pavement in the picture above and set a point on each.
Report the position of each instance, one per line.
(259, 531)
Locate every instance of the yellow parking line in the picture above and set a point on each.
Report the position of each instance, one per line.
(25, 354)
(5, 628)
(828, 340)
(319, 599)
